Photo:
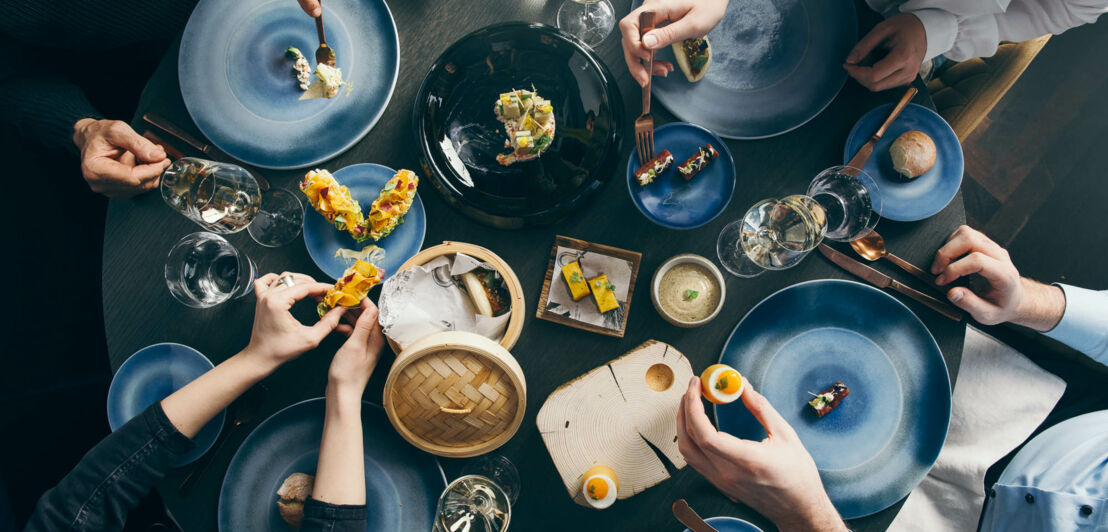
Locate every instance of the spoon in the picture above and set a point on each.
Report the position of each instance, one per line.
(324, 54)
(872, 247)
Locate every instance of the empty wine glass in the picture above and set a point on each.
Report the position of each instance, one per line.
(473, 503)
(498, 469)
(203, 270)
(588, 20)
(775, 234)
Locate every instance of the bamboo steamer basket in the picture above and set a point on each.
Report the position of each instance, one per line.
(515, 289)
(455, 394)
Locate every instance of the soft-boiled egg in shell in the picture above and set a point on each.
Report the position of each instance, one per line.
(600, 486)
(721, 384)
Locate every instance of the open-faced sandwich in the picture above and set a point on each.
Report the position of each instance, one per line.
(486, 291)
(352, 287)
(335, 203)
(529, 121)
(702, 158)
(654, 168)
(392, 204)
(694, 56)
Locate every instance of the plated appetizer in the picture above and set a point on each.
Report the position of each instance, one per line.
(392, 203)
(330, 78)
(352, 287)
(829, 399)
(529, 121)
(335, 203)
(721, 384)
(701, 159)
(600, 486)
(575, 280)
(654, 168)
(603, 293)
(300, 67)
(694, 56)
(486, 291)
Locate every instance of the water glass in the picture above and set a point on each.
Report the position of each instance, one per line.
(204, 269)
(850, 199)
(588, 20)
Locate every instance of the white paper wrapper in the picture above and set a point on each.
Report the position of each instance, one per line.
(424, 300)
(592, 264)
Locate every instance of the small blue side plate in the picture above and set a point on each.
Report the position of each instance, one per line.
(672, 202)
(403, 484)
(884, 437)
(365, 182)
(730, 524)
(152, 374)
(902, 199)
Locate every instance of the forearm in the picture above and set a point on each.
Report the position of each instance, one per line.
(340, 475)
(816, 516)
(193, 406)
(1041, 307)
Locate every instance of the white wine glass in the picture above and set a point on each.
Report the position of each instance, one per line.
(473, 503)
(588, 20)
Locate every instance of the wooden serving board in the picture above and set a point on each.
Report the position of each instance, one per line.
(607, 416)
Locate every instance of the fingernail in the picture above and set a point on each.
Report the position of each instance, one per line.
(940, 280)
(650, 41)
(955, 296)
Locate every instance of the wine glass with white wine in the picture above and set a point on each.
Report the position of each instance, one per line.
(588, 20)
(473, 503)
(841, 204)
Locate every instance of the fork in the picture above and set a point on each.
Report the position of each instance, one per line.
(644, 124)
(324, 54)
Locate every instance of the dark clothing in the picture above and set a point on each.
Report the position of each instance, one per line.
(126, 465)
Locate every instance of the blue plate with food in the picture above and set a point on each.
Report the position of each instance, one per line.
(767, 68)
(242, 84)
(730, 524)
(152, 374)
(917, 163)
(860, 379)
(690, 180)
(273, 471)
(363, 212)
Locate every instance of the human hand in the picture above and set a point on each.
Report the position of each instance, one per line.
(776, 476)
(116, 161)
(1008, 297)
(355, 361)
(905, 42)
(687, 19)
(277, 336)
(311, 7)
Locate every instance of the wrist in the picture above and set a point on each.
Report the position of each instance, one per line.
(79, 128)
(1041, 306)
(344, 393)
(820, 516)
(256, 362)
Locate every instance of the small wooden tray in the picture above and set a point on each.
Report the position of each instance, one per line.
(554, 282)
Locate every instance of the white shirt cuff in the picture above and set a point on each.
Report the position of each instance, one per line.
(1084, 324)
(941, 28)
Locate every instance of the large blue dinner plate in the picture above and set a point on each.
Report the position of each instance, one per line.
(403, 484)
(776, 64)
(902, 199)
(672, 202)
(730, 524)
(882, 440)
(239, 88)
(365, 182)
(152, 374)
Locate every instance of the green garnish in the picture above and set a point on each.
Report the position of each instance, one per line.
(691, 294)
(592, 490)
(575, 277)
(389, 186)
(721, 384)
(293, 52)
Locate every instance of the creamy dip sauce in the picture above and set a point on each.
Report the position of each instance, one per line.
(676, 292)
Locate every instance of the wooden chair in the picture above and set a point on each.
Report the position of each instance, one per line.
(964, 92)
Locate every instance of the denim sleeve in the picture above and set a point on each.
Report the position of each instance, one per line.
(112, 477)
(325, 517)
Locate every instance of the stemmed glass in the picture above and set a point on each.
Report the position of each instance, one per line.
(224, 198)
(588, 20)
(841, 204)
(203, 270)
(473, 503)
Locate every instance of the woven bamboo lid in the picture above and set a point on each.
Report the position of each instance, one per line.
(456, 394)
(515, 290)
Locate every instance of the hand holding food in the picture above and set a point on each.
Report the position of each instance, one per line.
(335, 203)
(355, 361)
(775, 476)
(277, 336)
(529, 121)
(115, 160)
(721, 384)
(352, 287)
(688, 19)
(904, 42)
(913, 154)
(694, 56)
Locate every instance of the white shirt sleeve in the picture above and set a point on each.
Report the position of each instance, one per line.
(1084, 324)
(962, 29)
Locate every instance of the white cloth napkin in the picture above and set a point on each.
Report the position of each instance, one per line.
(999, 399)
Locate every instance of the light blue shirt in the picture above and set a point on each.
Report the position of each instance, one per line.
(1084, 324)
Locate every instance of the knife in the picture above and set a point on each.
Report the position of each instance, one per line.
(202, 147)
(881, 280)
(689, 518)
(860, 158)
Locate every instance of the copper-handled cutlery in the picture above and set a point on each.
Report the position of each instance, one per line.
(859, 160)
(644, 124)
(200, 146)
(324, 54)
(690, 518)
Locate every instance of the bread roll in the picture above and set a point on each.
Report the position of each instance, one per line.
(293, 492)
(913, 154)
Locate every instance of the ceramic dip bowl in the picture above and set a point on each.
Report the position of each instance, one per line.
(688, 290)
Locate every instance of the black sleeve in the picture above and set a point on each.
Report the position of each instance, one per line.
(112, 477)
(44, 108)
(322, 516)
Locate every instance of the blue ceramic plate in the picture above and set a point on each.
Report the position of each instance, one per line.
(880, 442)
(152, 374)
(672, 202)
(365, 182)
(776, 64)
(730, 524)
(908, 200)
(239, 87)
(403, 484)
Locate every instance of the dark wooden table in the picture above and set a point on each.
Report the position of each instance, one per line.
(139, 311)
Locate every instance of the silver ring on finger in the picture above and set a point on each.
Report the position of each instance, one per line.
(286, 280)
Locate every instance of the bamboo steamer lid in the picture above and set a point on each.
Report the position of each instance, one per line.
(455, 394)
(515, 289)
